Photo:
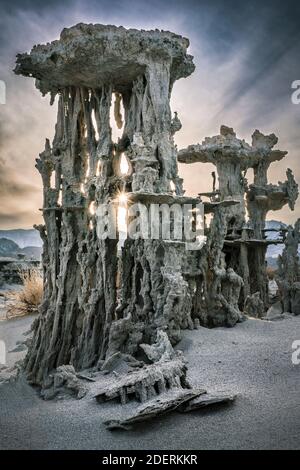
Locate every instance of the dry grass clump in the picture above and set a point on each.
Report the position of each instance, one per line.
(27, 300)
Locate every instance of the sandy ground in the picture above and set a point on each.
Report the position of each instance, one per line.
(253, 359)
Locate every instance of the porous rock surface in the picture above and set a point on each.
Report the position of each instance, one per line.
(108, 310)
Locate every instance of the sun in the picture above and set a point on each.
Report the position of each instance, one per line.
(122, 198)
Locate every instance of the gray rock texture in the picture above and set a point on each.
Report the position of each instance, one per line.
(254, 306)
(289, 270)
(107, 308)
(244, 243)
(145, 383)
(155, 407)
(96, 303)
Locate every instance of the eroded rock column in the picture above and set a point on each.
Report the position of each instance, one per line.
(83, 70)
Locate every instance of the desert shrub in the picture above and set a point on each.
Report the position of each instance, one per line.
(27, 300)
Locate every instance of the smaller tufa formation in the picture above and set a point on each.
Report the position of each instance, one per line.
(289, 270)
(167, 371)
(218, 286)
(63, 382)
(230, 156)
(161, 350)
(254, 306)
(234, 263)
(145, 383)
(160, 387)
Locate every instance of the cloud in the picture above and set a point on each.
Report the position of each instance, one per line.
(15, 196)
(17, 220)
(246, 56)
(11, 185)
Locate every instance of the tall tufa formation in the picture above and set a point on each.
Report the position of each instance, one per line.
(87, 287)
(99, 300)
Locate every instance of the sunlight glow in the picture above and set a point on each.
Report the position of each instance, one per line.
(122, 219)
(122, 214)
(94, 122)
(124, 165)
(98, 168)
(172, 186)
(92, 209)
(122, 199)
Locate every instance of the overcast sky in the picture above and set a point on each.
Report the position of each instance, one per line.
(246, 55)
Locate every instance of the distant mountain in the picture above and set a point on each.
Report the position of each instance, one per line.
(23, 237)
(10, 249)
(275, 250)
(34, 252)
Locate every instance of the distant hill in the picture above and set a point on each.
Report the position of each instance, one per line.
(32, 251)
(10, 249)
(23, 238)
(275, 250)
